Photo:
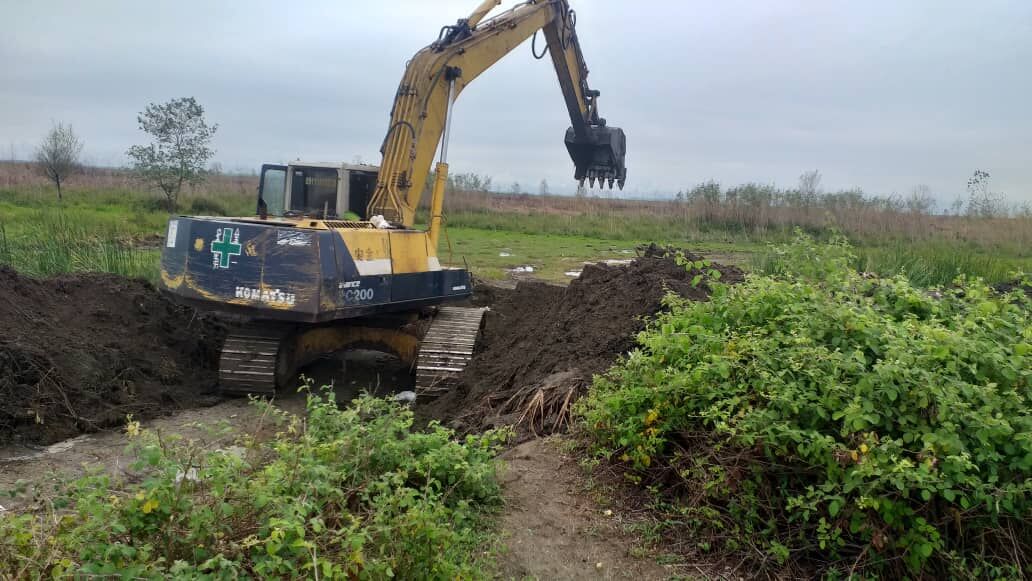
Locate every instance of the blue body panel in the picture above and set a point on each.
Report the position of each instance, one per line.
(269, 271)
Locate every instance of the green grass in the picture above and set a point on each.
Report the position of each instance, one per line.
(553, 255)
(925, 264)
(612, 226)
(117, 230)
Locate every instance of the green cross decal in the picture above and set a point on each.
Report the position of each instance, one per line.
(225, 246)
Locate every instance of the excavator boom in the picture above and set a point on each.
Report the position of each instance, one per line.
(437, 74)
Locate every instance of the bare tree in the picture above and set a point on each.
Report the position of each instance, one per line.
(57, 157)
(920, 200)
(982, 201)
(810, 185)
(179, 150)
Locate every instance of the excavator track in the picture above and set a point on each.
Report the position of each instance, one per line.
(248, 364)
(446, 349)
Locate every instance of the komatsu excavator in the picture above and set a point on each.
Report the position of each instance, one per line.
(332, 259)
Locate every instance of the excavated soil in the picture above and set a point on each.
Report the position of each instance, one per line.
(542, 343)
(1007, 287)
(80, 352)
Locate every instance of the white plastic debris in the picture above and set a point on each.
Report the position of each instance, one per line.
(190, 475)
(504, 254)
(2, 509)
(616, 262)
(572, 273)
(523, 269)
(380, 222)
(408, 397)
(238, 451)
(608, 512)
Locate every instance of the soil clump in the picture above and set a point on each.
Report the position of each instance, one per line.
(80, 352)
(542, 343)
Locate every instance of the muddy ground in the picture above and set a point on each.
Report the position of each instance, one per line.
(542, 343)
(80, 352)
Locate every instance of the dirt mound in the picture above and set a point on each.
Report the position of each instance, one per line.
(79, 352)
(542, 343)
(1007, 287)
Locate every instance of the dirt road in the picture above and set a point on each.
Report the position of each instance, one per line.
(554, 530)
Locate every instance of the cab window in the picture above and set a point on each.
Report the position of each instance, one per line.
(313, 189)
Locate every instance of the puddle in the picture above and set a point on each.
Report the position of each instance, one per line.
(10, 455)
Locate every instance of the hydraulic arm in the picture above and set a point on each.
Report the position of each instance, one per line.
(437, 74)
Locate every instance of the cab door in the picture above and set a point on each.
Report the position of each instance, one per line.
(272, 189)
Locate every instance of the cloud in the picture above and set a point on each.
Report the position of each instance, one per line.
(882, 95)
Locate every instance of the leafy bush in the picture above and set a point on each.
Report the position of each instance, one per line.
(833, 421)
(342, 494)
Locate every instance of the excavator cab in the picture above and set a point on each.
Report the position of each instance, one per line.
(318, 190)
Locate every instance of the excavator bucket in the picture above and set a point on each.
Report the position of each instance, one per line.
(599, 155)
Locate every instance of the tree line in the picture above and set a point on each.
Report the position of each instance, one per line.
(180, 149)
(177, 154)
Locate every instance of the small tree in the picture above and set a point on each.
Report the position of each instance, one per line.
(57, 157)
(982, 201)
(810, 186)
(921, 200)
(180, 148)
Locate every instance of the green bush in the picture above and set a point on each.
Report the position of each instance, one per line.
(824, 420)
(342, 494)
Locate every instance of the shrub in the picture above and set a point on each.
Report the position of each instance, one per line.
(834, 421)
(344, 494)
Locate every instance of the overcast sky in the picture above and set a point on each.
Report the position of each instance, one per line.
(878, 94)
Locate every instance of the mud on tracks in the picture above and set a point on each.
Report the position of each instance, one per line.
(542, 343)
(80, 352)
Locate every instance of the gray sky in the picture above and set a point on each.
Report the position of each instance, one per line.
(881, 94)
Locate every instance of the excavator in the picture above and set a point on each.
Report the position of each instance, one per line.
(333, 258)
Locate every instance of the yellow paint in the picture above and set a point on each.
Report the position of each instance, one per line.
(367, 244)
(408, 251)
(171, 282)
(418, 115)
(198, 244)
(437, 206)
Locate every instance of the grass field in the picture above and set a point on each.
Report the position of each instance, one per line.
(106, 223)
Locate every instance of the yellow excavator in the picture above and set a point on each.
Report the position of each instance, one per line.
(333, 260)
